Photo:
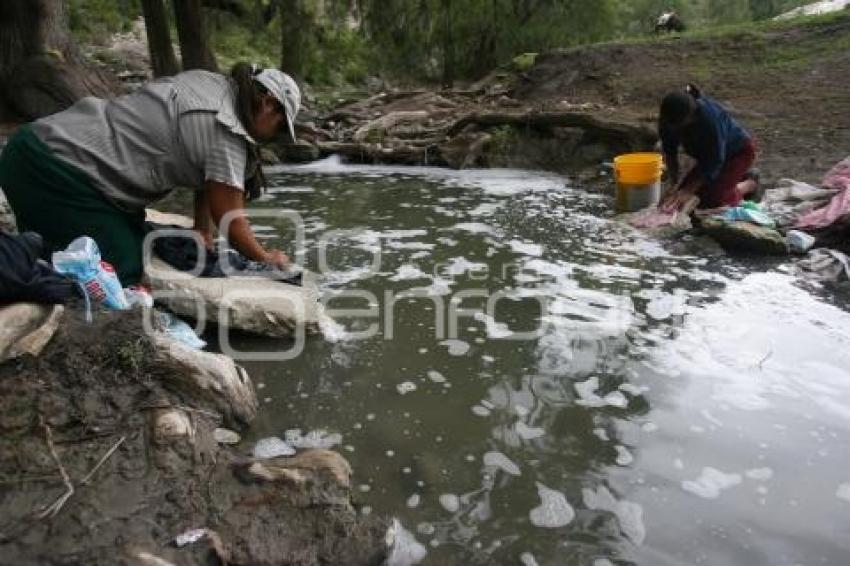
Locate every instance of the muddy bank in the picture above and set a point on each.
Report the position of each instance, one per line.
(104, 416)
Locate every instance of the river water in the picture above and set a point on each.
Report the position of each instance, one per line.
(523, 380)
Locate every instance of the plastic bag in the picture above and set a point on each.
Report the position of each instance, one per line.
(179, 330)
(138, 295)
(81, 260)
(748, 212)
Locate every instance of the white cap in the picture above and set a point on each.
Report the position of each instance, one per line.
(285, 89)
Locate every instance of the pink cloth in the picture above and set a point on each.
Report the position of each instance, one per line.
(837, 178)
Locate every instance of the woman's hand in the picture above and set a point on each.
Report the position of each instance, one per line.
(278, 259)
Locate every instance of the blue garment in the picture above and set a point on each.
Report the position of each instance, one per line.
(711, 139)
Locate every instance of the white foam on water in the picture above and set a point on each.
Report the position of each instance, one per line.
(498, 460)
(665, 305)
(843, 492)
(624, 457)
(485, 209)
(527, 432)
(495, 330)
(331, 330)
(474, 228)
(284, 189)
(313, 439)
(460, 265)
(554, 510)
(480, 411)
(710, 483)
(526, 248)
(629, 514)
(404, 549)
(450, 502)
(272, 447)
(762, 474)
(406, 387)
(601, 434)
(436, 376)
(456, 347)
(424, 246)
(633, 390)
(528, 559)
(413, 501)
(586, 391)
(407, 272)
(602, 562)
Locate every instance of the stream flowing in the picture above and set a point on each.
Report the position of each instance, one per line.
(520, 379)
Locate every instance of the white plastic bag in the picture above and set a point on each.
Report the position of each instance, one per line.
(81, 260)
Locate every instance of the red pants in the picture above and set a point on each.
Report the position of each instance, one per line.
(724, 190)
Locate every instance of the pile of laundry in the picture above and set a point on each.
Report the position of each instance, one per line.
(792, 217)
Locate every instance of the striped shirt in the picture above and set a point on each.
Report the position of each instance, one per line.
(177, 131)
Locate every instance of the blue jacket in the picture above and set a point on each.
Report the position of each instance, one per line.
(712, 139)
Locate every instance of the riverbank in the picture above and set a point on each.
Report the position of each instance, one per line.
(109, 454)
(572, 110)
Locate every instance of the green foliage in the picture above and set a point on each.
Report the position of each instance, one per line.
(342, 42)
(93, 21)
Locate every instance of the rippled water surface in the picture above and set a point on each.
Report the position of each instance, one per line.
(624, 401)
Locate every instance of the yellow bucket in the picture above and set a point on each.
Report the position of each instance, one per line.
(638, 177)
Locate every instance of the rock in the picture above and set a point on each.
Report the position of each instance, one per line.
(744, 237)
(226, 436)
(170, 424)
(252, 304)
(213, 378)
(301, 151)
(308, 466)
(465, 149)
(25, 328)
(269, 157)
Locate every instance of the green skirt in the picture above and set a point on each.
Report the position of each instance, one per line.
(61, 202)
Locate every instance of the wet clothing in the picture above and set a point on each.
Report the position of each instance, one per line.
(724, 191)
(181, 252)
(91, 169)
(718, 144)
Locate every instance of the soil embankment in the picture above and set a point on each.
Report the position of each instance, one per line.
(106, 456)
(577, 108)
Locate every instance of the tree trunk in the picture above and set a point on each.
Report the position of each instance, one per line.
(295, 27)
(448, 46)
(163, 61)
(194, 41)
(41, 68)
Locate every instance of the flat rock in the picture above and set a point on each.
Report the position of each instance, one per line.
(251, 304)
(744, 237)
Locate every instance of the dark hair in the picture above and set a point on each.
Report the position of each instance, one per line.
(249, 94)
(678, 105)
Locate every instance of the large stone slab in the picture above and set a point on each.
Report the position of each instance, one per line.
(252, 304)
(744, 237)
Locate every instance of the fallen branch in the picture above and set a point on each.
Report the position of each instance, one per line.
(105, 457)
(56, 506)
